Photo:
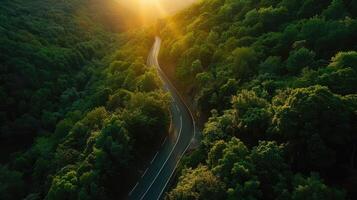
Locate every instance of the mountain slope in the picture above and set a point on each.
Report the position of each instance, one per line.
(81, 112)
(277, 79)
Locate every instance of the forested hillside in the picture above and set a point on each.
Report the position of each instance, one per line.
(272, 82)
(78, 105)
(276, 81)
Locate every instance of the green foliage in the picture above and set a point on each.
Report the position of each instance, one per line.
(299, 59)
(272, 65)
(11, 184)
(252, 115)
(322, 111)
(64, 187)
(345, 60)
(81, 95)
(44, 56)
(277, 75)
(336, 10)
(199, 183)
(258, 173)
(149, 81)
(243, 61)
(312, 188)
(147, 112)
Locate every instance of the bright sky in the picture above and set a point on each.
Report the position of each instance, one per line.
(149, 9)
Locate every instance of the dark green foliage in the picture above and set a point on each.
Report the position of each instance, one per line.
(280, 75)
(336, 10)
(277, 79)
(243, 63)
(313, 188)
(259, 173)
(320, 136)
(299, 59)
(81, 95)
(199, 183)
(11, 184)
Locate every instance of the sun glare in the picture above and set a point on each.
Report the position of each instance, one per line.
(148, 2)
(147, 11)
(155, 8)
(152, 8)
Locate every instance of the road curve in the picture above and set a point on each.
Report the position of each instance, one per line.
(155, 178)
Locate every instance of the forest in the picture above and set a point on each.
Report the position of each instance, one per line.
(275, 86)
(80, 110)
(272, 84)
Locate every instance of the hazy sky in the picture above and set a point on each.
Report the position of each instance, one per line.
(174, 5)
(157, 8)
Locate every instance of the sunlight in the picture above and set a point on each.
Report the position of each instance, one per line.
(153, 9)
(146, 12)
(148, 2)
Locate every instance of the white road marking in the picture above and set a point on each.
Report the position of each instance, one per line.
(162, 167)
(163, 142)
(193, 123)
(154, 158)
(188, 145)
(132, 190)
(168, 85)
(144, 173)
(177, 108)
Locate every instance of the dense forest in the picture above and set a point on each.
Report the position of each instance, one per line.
(80, 110)
(275, 82)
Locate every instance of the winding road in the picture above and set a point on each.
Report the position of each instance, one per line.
(156, 177)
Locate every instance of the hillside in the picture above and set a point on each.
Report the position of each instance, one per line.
(80, 111)
(272, 85)
(275, 82)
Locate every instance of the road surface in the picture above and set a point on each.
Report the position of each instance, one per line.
(153, 182)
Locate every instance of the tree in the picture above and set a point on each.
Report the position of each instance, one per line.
(199, 184)
(273, 17)
(95, 118)
(316, 123)
(235, 169)
(244, 62)
(299, 59)
(11, 184)
(118, 67)
(216, 153)
(114, 139)
(340, 81)
(138, 67)
(345, 60)
(312, 188)
(149, 81)
(196, 67)
(234, 155)
(100, 97)
(270, 166)
(226, 91)
(118, 100)
(273, 65)
(252, 116)
(336, 10)
(64, 187)
(146, 118)
(218, 127)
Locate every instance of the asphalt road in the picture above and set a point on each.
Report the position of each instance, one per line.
(154, 180)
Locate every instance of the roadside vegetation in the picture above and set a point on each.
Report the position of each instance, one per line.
(276, 83)
(273, 81)
(78, 104)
